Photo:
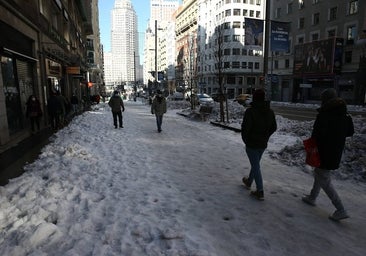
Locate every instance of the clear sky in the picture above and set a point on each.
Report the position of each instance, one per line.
(142, 8)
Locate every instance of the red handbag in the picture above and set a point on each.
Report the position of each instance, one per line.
(312, 153)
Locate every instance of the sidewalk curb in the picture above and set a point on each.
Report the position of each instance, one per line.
(225, 126)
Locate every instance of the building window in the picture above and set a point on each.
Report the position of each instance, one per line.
(236, 38)
(245, 12)
(236, 51)
(301, 23)
(227, 25)
(300, 40)
(228, 1)
(333, 13)
(316, 18)
(251, 13)
(256, 65)
(244, 52)
(278, 12)
(226, 64)
(348, 56)
(236, 24)
(276, 64)
(258, 2)
(351, 32)
(289, 8)
(226, 38)
(301, 4)
(227, 51)
(227, 13)
(244, 64)
(236, 12)
(353, 7)
(236, 64)
(287, 63)
(315, 1)
(315, 37)
(257, 14)
(331, 33)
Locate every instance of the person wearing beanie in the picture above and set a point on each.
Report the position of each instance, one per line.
(117, 107)
(158, 107)
(259, 123)
(331, 127)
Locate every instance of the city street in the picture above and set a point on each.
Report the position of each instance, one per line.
(96, 190)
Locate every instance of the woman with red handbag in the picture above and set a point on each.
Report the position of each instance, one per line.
(331, 127)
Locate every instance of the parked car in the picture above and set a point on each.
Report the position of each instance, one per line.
(244, 99)
(216, 96)
(176, 96)
(204, 99)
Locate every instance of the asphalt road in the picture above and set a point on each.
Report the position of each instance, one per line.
(304, 114)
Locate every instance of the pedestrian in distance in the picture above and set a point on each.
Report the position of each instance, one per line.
(75, 104)
(158, 107)
(34, 112)
(331, 127)
(55, 108)
(259, 123)
(117, 107)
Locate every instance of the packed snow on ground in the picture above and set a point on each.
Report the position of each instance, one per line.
(96, 190)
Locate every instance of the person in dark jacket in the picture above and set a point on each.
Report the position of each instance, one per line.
(331, 127)
(117, 106)
(55, 109)
(259, 123)
(158, 107)
(34, 111)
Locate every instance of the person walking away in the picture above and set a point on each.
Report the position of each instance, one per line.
(116, 104)
(158, 107)
(54, 110)
(75, 104)
(259, 123)
(34, 111)
(330, 129)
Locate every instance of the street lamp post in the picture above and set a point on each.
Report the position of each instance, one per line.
(156, 53)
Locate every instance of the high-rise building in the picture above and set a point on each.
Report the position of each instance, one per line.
(161, 14)
(124, 44)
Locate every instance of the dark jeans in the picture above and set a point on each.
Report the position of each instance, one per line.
(159, 121)
(255, 156)
(119, 115)
(34, 120)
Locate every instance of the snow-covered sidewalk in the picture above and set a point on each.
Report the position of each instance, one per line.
(96, 190)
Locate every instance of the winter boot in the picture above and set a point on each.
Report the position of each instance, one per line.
(309, 200)
(246, 182)
(259, 195)
(339, 215)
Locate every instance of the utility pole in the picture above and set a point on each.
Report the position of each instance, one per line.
(266, 47)
(156, 54)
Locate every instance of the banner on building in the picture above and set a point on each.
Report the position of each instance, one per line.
(319, 57)
(254, 32)
(280, 36)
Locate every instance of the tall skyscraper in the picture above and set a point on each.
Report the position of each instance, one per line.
(162, 12)
(124, 44)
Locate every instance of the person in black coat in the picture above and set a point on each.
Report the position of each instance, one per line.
(259, 123)
(34, 111)
(331, 127)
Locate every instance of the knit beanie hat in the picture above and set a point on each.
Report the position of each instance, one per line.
(259, 95)
(328, 94)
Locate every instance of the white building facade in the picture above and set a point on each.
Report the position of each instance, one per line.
(159, 39)
(124, 45)
(224, 55)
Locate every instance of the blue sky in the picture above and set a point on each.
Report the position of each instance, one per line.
(142, 8)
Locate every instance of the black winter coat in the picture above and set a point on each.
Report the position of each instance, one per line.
(259, 123)
(330, 131)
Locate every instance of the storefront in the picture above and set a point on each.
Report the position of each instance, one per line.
(18, 79)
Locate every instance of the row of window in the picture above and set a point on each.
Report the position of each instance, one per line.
(352, 8)
(233, 64)
(238, 12)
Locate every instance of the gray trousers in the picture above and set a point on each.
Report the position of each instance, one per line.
(323, 181)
